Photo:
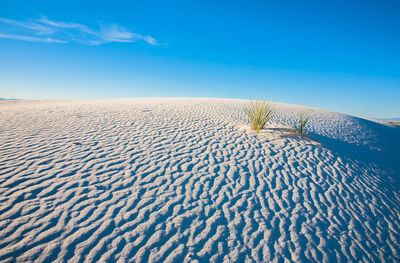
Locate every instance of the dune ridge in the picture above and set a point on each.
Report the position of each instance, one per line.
(169, 180)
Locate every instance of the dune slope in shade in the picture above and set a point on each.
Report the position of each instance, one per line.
(170, 180)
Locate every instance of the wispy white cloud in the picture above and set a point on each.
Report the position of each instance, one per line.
(31, 25)
(45, 30)
(115, 33)
(31, 39)
(58, 24)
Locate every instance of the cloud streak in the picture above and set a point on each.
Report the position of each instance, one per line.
(50, 31)
(31, 39)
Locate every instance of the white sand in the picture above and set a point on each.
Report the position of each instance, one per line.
(165, 180)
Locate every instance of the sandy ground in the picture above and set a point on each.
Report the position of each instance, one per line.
(171, 180)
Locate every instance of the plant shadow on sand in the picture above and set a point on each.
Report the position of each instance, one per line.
(287, 132)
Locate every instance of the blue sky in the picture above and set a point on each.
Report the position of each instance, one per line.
(337, 55)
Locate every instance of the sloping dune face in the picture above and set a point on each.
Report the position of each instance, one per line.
(171, 180)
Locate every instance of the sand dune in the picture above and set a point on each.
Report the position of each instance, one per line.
(171, 180)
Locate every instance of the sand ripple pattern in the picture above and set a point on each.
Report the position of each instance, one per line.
(173, 180)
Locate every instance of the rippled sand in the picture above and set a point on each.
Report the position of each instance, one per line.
(171, 180)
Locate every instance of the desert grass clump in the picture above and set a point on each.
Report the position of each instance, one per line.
(303, 120)
(259, 113)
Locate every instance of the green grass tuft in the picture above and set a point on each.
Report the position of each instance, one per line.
(303, 120)
(259, 113)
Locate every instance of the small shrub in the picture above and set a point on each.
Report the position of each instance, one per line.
(259, 113)
(302, 123)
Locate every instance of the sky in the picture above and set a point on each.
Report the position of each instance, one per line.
(337, 55)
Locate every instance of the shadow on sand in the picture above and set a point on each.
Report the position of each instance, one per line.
(384, 151)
